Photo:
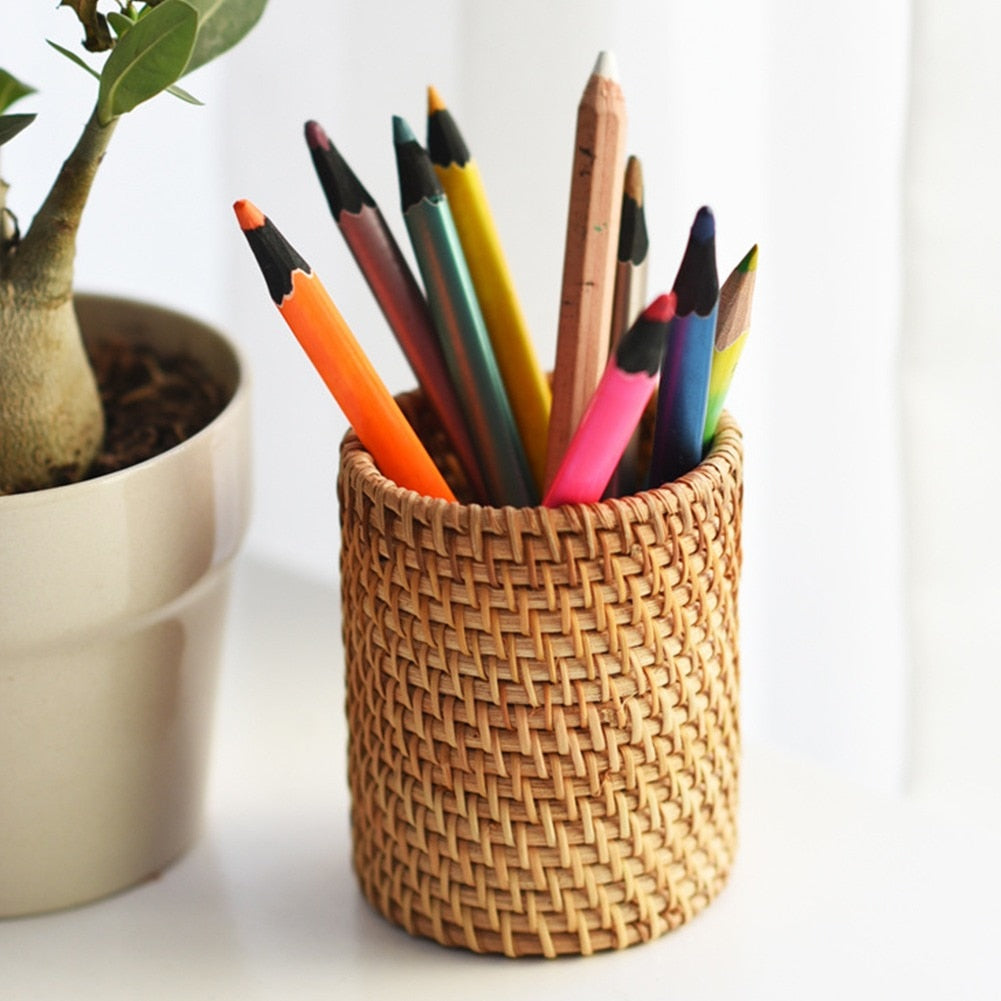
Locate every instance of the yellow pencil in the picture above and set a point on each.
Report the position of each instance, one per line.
(524, 381)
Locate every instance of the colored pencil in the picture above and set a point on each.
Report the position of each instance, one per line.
(338, 357)
(628, 301)
(524, 381)
(459, 322)
(395, 288)
(684, 382)
(589, 255)
(614, 411)
(732, 328)
(632, 259)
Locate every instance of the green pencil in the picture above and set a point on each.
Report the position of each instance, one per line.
(459, 323)
(732, 328)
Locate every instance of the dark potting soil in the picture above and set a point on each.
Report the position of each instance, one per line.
(151, 403)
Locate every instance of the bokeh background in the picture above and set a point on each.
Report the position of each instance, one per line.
(858, 144)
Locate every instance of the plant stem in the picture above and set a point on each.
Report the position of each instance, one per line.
(51, 420)
(42, 263)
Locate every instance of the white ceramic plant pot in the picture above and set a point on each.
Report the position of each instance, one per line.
(112, 601)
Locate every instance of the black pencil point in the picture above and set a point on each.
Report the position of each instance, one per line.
(697, 281)
(445, 143)
(413, 166)
(642, 346)
(277, 259)
(341, 187)
(634, 242)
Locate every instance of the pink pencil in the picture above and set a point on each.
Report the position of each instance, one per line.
(614, 410)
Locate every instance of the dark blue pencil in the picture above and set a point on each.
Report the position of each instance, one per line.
(684, 380)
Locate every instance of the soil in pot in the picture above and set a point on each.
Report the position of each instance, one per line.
(151, 402)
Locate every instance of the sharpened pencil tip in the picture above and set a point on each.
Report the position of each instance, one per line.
(704, 227)
(402, 132)
(248, 214)
(633, 186)
(316, 138)
(750, 261)
(435, 103)
(661, 310)
(606, 66)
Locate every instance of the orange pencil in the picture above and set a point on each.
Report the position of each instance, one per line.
(338, 357)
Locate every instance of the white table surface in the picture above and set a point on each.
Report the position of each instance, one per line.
(837, 892)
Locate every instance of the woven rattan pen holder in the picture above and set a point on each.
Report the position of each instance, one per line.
(542, 707)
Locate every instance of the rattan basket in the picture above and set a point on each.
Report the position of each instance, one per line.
(542, 706)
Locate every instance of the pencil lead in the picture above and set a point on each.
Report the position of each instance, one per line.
(750, 261)
(277, 258)
(634, 241)
(704, 227)
(343, 191)
(435, 103)
(316, 138)
(661, 309)
(633, 186)
(248, 214)
(606, 66)
(445, 143)
(402, 132)
(642, 346)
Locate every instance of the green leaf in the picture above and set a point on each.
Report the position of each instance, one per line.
(176, 91)
(10, 125)
(74, 58)
(221, 24)
(147, 59)
(11, 90)
(119, 22)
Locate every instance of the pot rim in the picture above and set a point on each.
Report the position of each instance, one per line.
(237, 399)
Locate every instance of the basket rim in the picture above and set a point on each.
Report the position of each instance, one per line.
(723, 459)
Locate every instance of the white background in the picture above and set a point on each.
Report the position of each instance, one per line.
(856, 143)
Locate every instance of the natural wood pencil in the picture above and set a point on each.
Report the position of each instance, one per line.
(589, 255)
(630, 299)
(632, 259)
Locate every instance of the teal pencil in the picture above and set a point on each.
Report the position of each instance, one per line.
(459, 323)
(400, 298)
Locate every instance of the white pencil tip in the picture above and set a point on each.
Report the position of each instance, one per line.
(606, 66)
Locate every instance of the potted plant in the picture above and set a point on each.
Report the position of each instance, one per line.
(124, 491)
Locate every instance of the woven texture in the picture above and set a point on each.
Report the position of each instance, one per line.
(542, 707)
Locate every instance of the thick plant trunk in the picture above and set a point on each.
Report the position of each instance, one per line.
(51, 421)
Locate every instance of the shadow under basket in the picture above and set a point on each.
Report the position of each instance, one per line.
(542, 706)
